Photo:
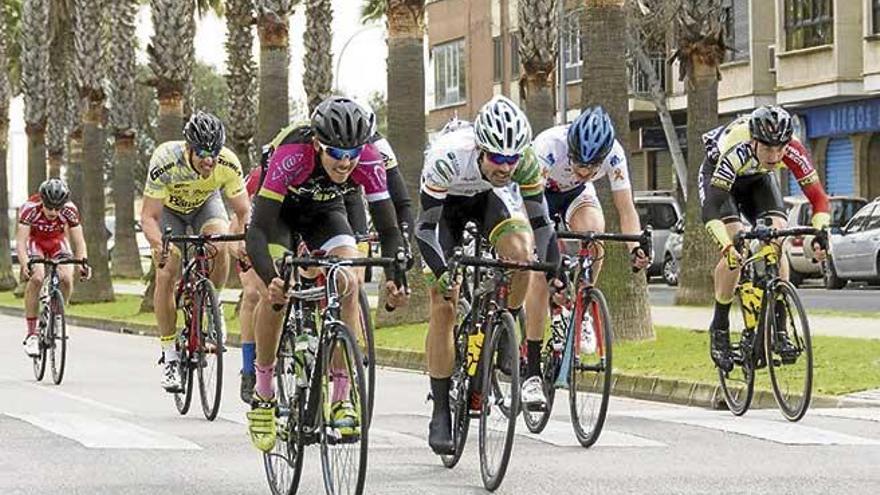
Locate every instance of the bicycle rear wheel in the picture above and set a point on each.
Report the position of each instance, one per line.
(459, 396)
(58, 338)
(369, 351)
(284, 464)
(590, 367)
(791, 367)
(344, 441)
(738, 385)
(210, 349)
(43, 335)
(500, 401)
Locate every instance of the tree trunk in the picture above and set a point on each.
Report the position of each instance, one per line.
(36, 156)
(74, 165)
(538, 101)
(7, 279)
(699, 253)
(602, 45)
(406, 129)
(171, 118)
(273, 106)
(126, 260)
(100, 287)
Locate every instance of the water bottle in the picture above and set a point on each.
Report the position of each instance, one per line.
(557, 331)
(588, 336)
(305, 348)
(475, 346)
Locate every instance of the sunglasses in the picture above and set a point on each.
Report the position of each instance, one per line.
(343, 153)
(205, 153)
(578, 164)
(499, 159)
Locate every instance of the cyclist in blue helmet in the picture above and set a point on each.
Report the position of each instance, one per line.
(573, 157)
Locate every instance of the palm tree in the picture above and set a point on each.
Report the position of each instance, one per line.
(241, 79)
(538, 28)
(700, 50)
(9, 15)
(35, 67)
(59, 69)
(318, 76)
(121, 14)
(406, 118)
(90, 74)
(603, 43)
(272, 26)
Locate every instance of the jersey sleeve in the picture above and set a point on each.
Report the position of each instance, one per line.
(70, 214)
(529, 174)
(389, 159)
(233, 178)
(158, 178)
(252, 182)
(797, 161)
(618, 168)
(439, 170)
(289, 165)
(27, 213)
(370, 173)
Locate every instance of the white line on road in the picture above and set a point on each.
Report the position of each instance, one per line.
(862, 413)
(561, 434)
(775, 431)
(105, 432)
(84, 400)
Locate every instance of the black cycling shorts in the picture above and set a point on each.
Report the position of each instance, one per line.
(321, 224)
(487, 210)
(752, 196)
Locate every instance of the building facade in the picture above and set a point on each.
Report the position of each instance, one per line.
(818, 58)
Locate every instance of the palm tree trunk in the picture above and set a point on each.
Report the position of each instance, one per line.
(100, 287)
(7, 279)
(603, 44)
(241, 80)
(274, 63)
(126, 259)
(406, 125)
(318, 58)
(171, 118)
(539, 102)
(696, 285)
(36, 134)
(538, 47)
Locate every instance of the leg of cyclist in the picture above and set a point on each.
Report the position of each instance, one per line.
(166, 318)
(32, 307)
(441, 357)
(65, 276)
(250, 296)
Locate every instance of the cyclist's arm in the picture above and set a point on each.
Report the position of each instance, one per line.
(542, 226)
(241, 206)
(400, 198)
(797, 160)
(266, 213)
(426, 234)
(22, 235)
(78, 242)
(385, 221)
(151, 216)
(629, 218)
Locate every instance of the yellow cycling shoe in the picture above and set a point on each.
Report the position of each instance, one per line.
(261, 422)
(344, 418)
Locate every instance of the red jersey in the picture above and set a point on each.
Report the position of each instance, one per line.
(44, 231)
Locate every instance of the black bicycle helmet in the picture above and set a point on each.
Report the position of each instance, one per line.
(771, 125)
(342, 123)
(54, 193)
(205, 131)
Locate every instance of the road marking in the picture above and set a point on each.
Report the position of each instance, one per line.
(561, 434)
(105, 432)
(775, 431)
(84, 400)
(862, 413)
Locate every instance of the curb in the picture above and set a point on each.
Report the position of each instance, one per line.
(634, 386)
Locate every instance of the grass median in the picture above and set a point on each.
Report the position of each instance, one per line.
(841, 365)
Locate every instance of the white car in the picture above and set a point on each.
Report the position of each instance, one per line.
(854, 250)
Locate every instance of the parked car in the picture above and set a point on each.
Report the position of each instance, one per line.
(799, 250)
(661, 211)
(854, 250)
(671, 266)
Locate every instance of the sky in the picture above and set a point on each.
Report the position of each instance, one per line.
(361, 70)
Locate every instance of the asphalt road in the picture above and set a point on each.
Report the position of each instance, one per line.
(110, 429)
(853, 298)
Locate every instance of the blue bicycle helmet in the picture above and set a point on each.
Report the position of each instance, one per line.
(590, 136)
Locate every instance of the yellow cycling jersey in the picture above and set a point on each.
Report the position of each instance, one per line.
(181, 188)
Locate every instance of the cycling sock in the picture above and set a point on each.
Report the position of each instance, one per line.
(169, 352)
(31, 326)
(533, 358)
(341, 384)
(440, 394)
(721, 319)
(248, 355)
(265, 386)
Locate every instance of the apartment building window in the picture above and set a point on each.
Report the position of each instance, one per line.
(498, 59)
(875, 16)
(808, 23)
(737, 29)
(571, 46)
(514, 54)
(449, 73)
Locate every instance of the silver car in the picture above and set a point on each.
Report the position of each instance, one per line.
(855, 249)
(660, 210)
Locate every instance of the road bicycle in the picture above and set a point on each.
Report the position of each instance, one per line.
(776, 330)
(319, 360)
(201, 342)
(52, 326)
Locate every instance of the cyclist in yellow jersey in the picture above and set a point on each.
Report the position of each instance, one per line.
(183, 192)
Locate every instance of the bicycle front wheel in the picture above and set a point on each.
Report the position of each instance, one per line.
(210, 349)
(369, 351)
(284, 463)
(738, 385)
(57, 338)
(500, 400)
(344, 424)
(183, 400)
(44, 336)
(789, 351)
(590, 366)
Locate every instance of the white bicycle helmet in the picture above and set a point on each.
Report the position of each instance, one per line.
(501, 127)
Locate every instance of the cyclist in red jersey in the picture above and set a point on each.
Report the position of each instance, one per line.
(45, 223)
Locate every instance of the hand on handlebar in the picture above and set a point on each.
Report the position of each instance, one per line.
(395, 297)
(25, 274)
(277, 294)
(85, 271)
(639, 259)
(820, 246)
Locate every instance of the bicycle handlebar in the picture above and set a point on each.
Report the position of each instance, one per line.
(644, 238)
(766, 234)
(47, 261)
(200, 239)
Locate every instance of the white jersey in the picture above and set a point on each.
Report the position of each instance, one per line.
(551, 147)
(452, 167)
